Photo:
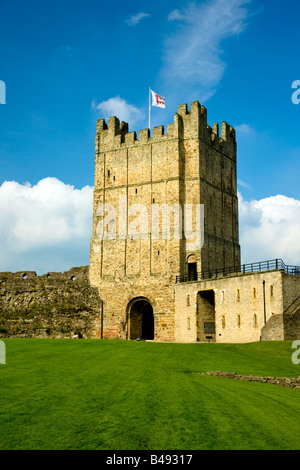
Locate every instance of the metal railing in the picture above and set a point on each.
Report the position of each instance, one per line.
(241, 269)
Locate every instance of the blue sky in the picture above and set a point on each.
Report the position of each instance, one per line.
(66, 64)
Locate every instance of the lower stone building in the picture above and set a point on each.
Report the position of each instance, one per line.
(240, 307)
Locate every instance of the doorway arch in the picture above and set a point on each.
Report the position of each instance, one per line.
(141, 319)
(192, 268)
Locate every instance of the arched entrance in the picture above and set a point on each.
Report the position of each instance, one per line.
(141, 319)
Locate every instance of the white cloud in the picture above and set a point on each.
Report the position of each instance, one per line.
(135, 19)
(243, 184)
(175, 15)
(269, 229)
(44, 227)
(193, 53)
(244, 129)
(117, 106)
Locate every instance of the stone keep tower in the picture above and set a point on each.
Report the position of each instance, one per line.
(190, 164)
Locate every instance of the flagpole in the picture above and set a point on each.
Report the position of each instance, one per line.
(149, 106)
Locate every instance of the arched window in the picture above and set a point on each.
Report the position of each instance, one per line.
(192, 268)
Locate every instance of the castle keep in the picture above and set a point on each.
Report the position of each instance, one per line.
(164, 254)
(167, 288)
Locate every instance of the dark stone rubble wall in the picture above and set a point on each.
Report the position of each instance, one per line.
(60, 305)
(291, 382)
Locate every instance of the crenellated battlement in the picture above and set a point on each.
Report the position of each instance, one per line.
(188, 124)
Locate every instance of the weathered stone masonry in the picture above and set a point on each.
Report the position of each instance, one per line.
(53, 305)
(241, 308)
(189, 164)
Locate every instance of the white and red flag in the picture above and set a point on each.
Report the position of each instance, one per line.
(157, 100)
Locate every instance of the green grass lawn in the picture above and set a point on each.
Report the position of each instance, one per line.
(115, 395)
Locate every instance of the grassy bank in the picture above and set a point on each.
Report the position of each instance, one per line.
(92, 394)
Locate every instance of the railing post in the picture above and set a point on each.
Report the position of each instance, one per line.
(264, 298)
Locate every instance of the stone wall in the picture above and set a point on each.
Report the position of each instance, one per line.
(60, 305)
(65, 305)
(291, 290)
(291, 382)
(273, 330)
(282, 327)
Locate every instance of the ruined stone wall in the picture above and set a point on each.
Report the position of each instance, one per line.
(53, 305)
(291, 382)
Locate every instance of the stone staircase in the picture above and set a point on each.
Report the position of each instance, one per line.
(293, 308)
(285, 326)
